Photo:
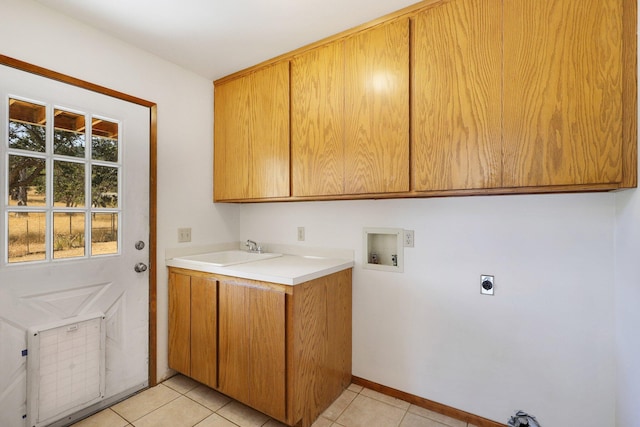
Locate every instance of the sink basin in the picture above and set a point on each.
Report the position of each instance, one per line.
(224, 258)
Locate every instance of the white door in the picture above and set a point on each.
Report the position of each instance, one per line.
(74, 200)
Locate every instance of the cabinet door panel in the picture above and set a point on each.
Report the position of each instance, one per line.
(233, 357)
(317, 121)
(232, 126)
(251, 135)
(377, 110)
(267, 351)
(269, 143)
(457, 96)
(203, 330)
(179, 323)
(562, 92)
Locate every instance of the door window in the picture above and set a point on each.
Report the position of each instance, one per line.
(63, 195)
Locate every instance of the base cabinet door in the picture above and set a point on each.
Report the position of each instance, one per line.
(252, 340)
(203, 330)
(192, 327)
(180, 323)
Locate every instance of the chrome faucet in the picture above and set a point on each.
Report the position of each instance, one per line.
(253, 246)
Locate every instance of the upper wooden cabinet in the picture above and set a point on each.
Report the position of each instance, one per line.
(350, 114)
(563, 107)
(251, 133)
(449, 97)
(456, 105)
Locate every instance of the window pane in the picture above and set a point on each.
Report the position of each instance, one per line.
(68, 134)
(104, 233)
(27, 126)
(26, 181)
(26, 236)
(68, 184)
(68, 235)
(104, 140)
(104, 187)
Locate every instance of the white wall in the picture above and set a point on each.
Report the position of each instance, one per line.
(544, 343)
(628, 308)
(627, 302)
(35, 34)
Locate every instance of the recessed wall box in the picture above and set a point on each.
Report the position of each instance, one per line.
(383, 249)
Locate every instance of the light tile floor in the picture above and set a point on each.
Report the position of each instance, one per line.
(182, 402)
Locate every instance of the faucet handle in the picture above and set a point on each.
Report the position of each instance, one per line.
(253, 246)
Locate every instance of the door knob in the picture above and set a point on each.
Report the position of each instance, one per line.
(140, 267)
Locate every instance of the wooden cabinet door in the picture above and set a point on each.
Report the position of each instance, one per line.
(251, 135)
(233, 357)
(317, 121)
(267, 341)
(562, 92)
(180, 322)
(204, 330)
(457, 96)
(377, 110)
(232, 133)
(252, 346)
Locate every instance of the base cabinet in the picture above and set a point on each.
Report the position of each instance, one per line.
(283, 350)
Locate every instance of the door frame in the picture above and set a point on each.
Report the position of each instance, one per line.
(153, 165)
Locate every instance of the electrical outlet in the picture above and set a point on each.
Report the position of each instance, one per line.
(408, 238)
(300, 234)
(184, 235)
(487, 286)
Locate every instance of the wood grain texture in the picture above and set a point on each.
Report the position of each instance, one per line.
(269, 139)
(377, 109)
(317, 121)
(339, 325)
(233, 341)
(232, 118)
(266, 373)
(204, 330)
(562, 92)
(456, 140)
(251, 135)
(180, 322)
(321, 326)
(630, 94)
(153, 246)
(284, 350)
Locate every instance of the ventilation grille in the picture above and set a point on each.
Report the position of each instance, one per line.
(65, 368)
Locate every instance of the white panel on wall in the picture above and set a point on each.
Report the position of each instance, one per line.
(65, 367)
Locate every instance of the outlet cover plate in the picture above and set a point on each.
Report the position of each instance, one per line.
(408, 238)
(184, 235)
(488, 290)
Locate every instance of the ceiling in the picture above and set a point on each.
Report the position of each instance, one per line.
(214, 38)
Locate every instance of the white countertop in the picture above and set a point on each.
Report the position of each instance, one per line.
(285, 270)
